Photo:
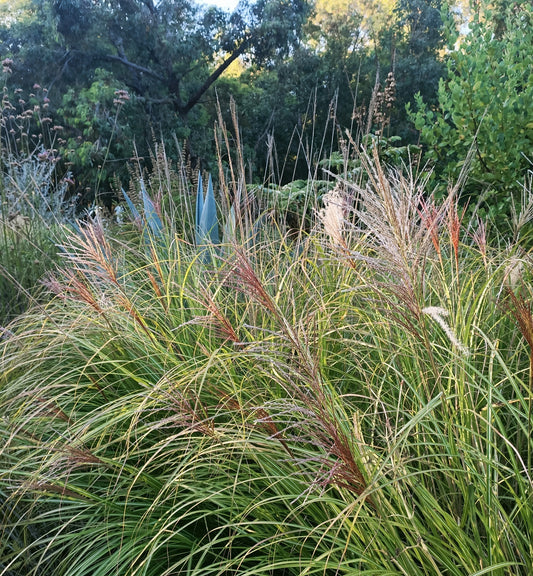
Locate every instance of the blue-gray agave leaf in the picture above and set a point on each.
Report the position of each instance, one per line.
(131, 206)
(206, 215)
(150, 213)
(199, 208)
(209, 221)
(230, 226)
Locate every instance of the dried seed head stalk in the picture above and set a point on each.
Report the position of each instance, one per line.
(90, 253)
(242, 277)
(431, 216)
(455, 220)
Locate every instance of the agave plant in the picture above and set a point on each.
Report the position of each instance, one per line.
(206, 214)
(206, 225)
(206, 217)
(151, 217)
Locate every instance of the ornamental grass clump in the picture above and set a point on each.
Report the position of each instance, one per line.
(347, 403)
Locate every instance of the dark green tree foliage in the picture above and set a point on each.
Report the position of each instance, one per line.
(340, 47)
(484, 106)
(295, 110)
(166, 51)
(166, 54)
(306, 75)
(326, 86)
(415, 43)
(101, 124)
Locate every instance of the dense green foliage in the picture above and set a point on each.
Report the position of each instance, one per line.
(163, 56)
(484, 114)
(34, 203)
(300, 73)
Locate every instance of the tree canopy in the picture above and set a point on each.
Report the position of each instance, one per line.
(483, 114)
(117, 74)
(169, 51)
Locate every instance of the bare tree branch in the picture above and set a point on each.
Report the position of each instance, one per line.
(123, 60)
(213, 77)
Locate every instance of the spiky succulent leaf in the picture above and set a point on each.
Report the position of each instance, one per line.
(150, 213)
(131, 206)
(208, 220)
(206, 215)
(230, 226)
(199, 209)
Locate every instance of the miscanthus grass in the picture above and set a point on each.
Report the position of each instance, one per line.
(357, 401)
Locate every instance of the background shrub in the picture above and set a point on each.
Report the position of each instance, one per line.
(484, 116)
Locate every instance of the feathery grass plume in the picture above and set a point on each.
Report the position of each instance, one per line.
(518, 302)
(89, 252)
(520, 217)
(389, 212)
(215, 318)
(73, 286)
(333, 215)
(91, 268)
(316, 438)
(439, 314)
(480, 239)
(243, 278)
(431, 218)
(454, 224)
(514, 271)
(394, 240)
